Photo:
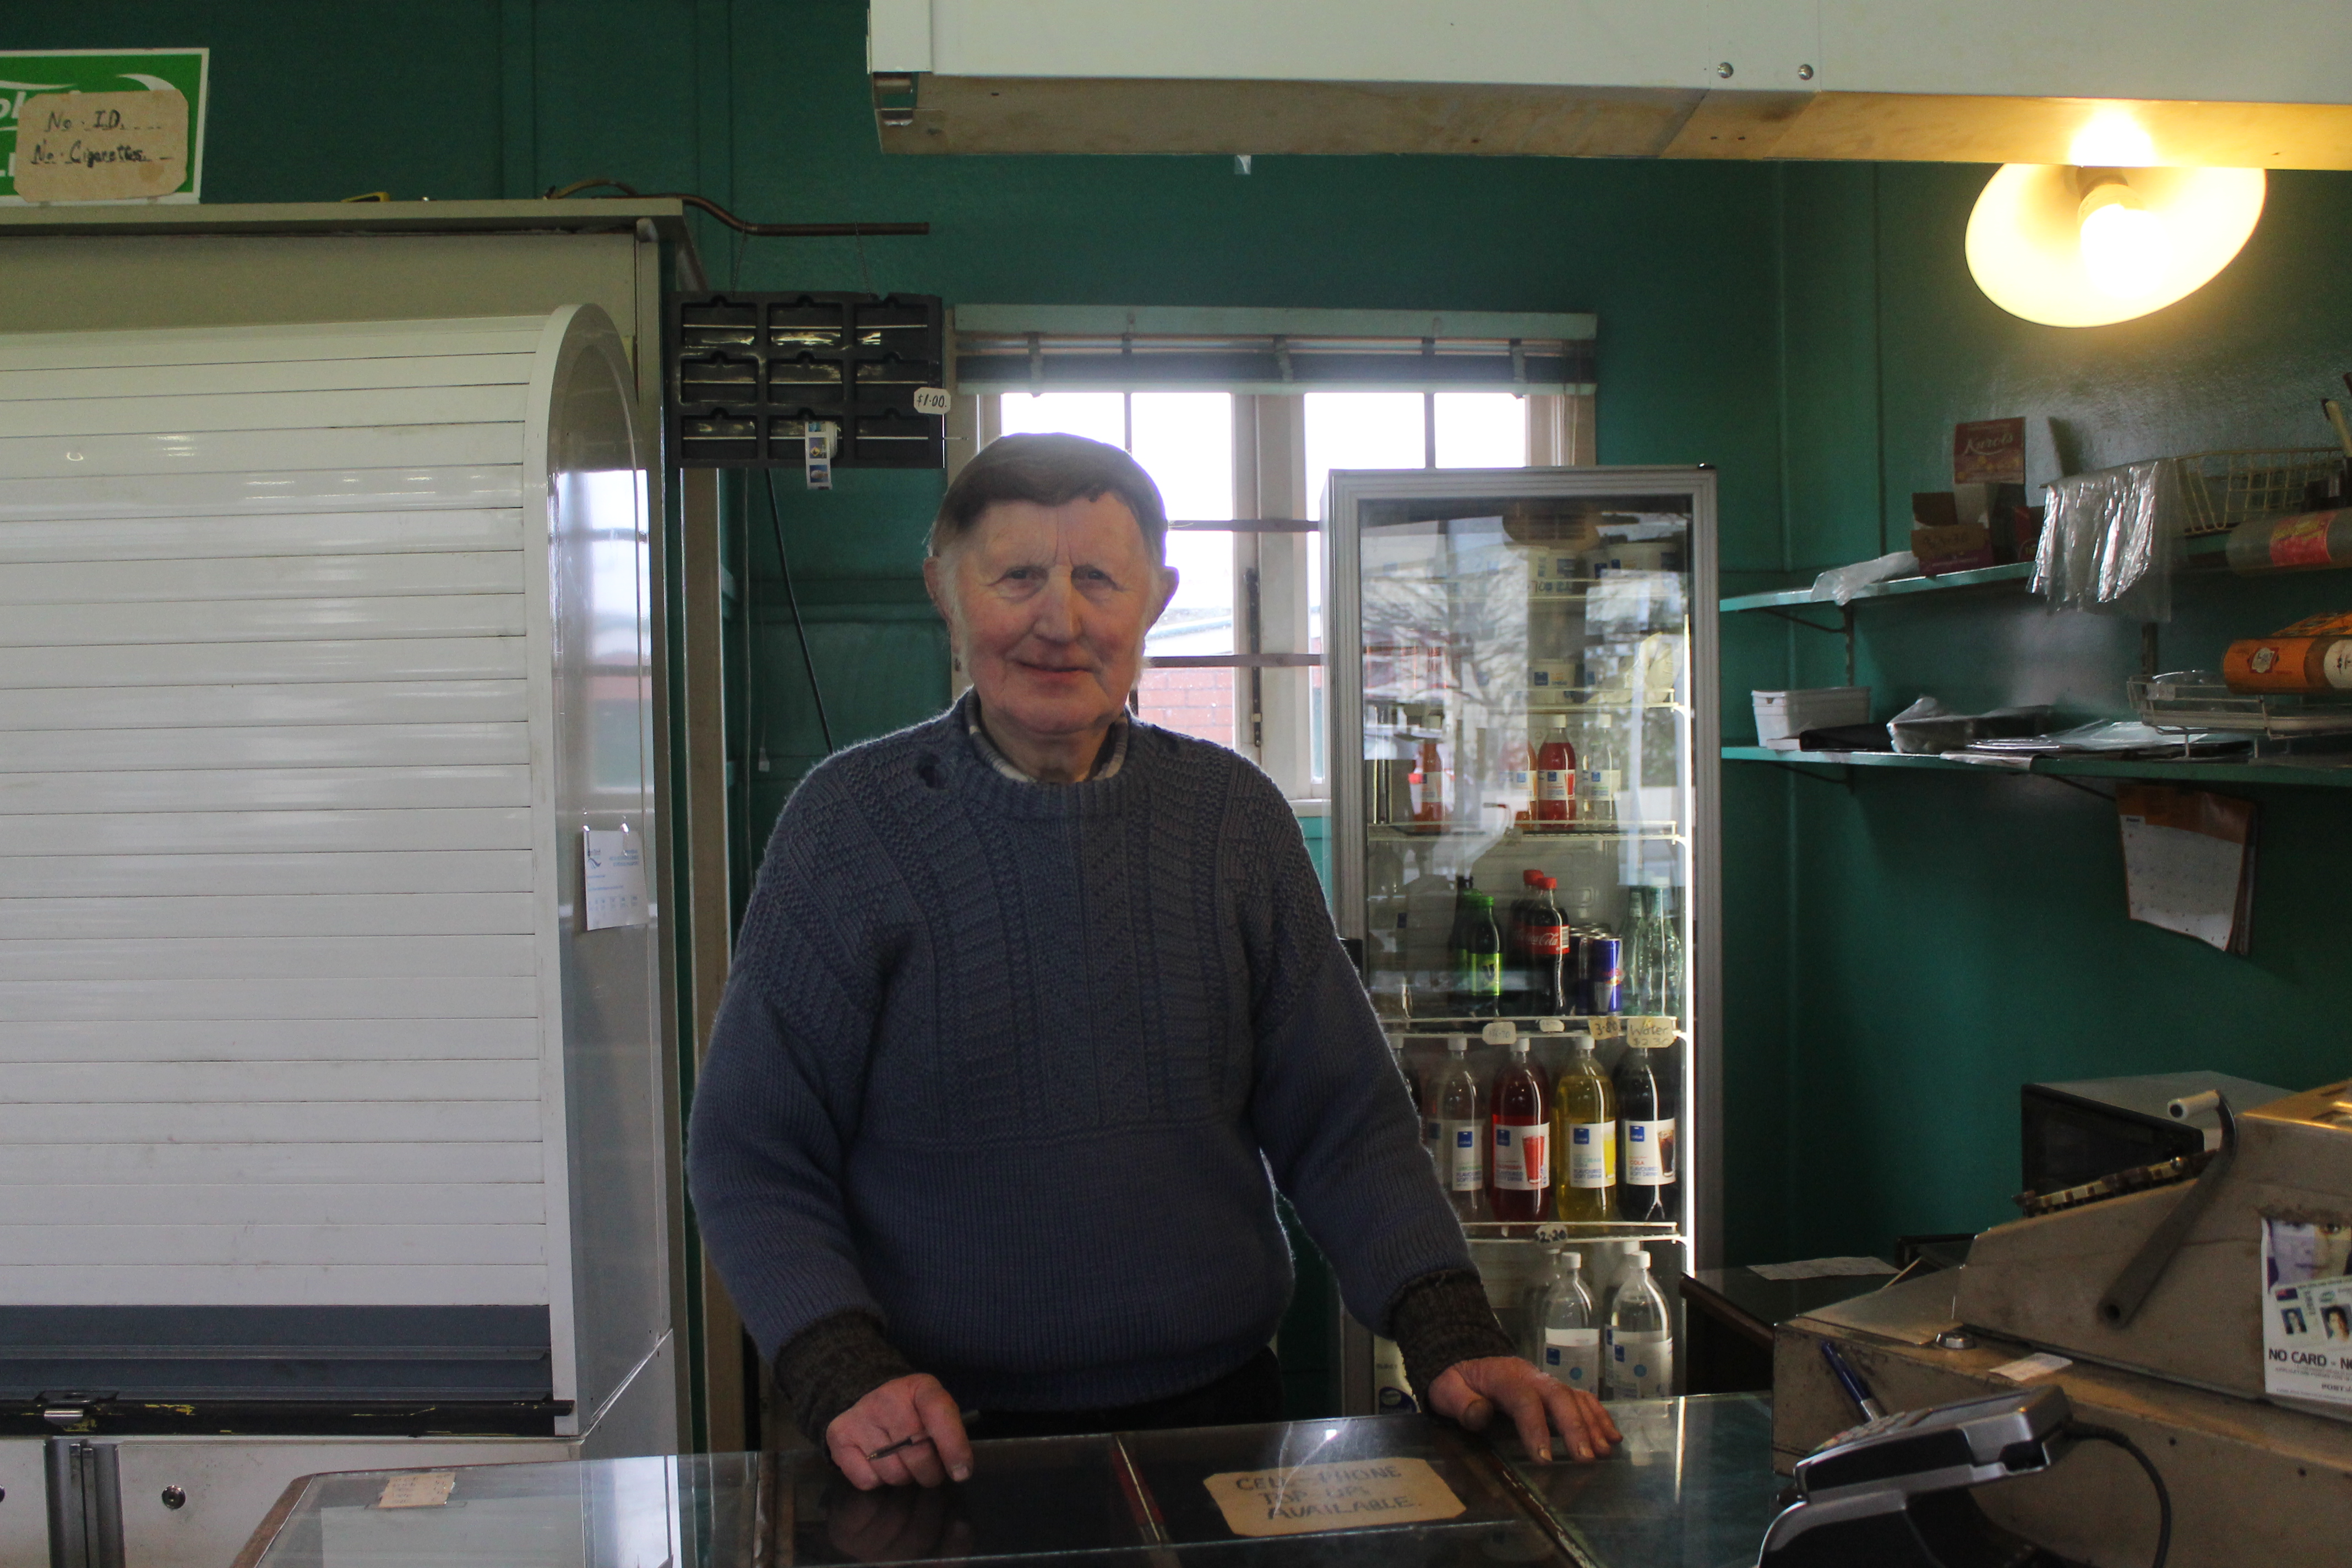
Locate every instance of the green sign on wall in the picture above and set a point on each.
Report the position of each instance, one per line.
(26, 76)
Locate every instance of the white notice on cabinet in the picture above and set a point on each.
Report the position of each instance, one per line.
(2307, 1311)
(612, 889)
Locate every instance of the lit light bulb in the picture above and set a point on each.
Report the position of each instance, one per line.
(2124, 251)
(2113, 139)
(2109, 239)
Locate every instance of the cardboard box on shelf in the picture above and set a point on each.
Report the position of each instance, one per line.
(1988, 451)
(1943, 540)
(1782, 716)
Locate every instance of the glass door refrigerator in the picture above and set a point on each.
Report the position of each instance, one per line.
(1521, 699)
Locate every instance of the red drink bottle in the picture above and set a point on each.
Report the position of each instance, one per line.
(1518, 1111)
(1556, 779)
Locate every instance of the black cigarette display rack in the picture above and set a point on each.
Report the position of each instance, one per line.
(749, 371)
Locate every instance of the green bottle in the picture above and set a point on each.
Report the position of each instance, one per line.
(1478, 958)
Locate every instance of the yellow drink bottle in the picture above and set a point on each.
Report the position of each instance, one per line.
(1584, 1130)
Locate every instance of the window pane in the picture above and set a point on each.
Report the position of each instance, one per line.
(1101, 415)
(1185, 442)
(1481, 430)
(1196, 702)
(1360, 430)
(1199, 618)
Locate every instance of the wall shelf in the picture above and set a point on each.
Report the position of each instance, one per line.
(1984, 577)
(2289, 771)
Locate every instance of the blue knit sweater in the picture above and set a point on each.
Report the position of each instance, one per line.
(1017, 1068)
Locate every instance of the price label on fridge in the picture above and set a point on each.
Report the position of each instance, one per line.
(1648, 1034)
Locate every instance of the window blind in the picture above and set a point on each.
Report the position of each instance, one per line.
(1081, 348)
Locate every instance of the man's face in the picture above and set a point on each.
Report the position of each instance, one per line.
(1048, 606)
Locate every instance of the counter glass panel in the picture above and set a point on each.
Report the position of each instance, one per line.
(1691, 1486)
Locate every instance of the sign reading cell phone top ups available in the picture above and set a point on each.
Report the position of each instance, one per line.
(103, 125)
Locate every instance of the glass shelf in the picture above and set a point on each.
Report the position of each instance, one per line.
(1981, 577)
(1418, 832)
(1544, 1230)
(2265, 771)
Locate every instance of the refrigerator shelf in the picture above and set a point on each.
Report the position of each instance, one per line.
(1664, 833)
(1549, 1230)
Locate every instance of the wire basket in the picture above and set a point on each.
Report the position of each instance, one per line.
(2219, 490)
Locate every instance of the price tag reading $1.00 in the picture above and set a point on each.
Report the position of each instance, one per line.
(1350, 1495)
(931, 400)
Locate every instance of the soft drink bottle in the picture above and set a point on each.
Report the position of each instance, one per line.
(1645, 1138)
(1555, 777)
(1457, 1131)
(1457, 944)
(1571, 1329)
(1584, 1125)
(1641, 1346)
(1552, 984)
(1519, 995)
(1518, 1186)
(1478, 962)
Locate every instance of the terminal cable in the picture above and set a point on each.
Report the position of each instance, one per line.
(2088, 1432)
(776, 521)
(742, 226)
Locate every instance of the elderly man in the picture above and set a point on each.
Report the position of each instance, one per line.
(1035, 1007)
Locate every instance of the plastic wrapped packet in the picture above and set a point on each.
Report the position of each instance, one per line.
(2110, 540)
(1840, 584)
(1927, 728)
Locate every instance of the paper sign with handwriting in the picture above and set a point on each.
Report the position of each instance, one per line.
(101, 146)
(1350, 1495)
(427, 1490)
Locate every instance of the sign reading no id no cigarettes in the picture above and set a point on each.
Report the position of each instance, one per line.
(103, 125)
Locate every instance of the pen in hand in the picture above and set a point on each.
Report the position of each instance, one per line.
(884, 1452)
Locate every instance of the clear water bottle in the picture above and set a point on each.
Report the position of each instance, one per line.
(1528, 1328)
(1641, 1345)
(1455, 1122)
(1571, 1329)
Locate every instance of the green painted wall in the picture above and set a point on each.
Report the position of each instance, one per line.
(1957, 935)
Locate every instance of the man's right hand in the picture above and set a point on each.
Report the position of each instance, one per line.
(909, 1406)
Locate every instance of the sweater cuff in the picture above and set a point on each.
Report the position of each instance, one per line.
(831, 1365)
(1439, 1319)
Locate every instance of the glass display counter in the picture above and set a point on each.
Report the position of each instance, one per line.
(1691, 1486)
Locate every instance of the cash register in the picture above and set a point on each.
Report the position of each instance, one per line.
(2199, 1306)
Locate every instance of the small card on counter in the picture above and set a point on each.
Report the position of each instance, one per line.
(2026, 1368)
(418, 1489)
(1350, 1495)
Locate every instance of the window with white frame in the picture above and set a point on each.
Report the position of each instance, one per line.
(1237, 657)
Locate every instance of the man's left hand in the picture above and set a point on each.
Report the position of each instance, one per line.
(1470, 1392)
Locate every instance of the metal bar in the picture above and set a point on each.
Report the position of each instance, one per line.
(1141, 1507)
(1845, 775)
(2130, 1291)
(1237, 661)
(1797, 620)
(1248, 524)
(1498, 1471)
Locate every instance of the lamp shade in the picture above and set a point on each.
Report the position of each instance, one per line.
(2042, 248)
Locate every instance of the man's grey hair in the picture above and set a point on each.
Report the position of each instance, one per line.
(1050, 470)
